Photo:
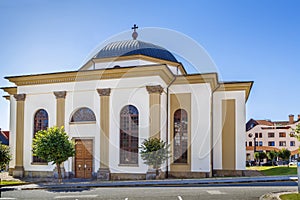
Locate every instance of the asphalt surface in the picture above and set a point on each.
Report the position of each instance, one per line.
(247, 191)
(208, 188)
(73, 183)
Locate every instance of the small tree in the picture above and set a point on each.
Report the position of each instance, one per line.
(53, 145)
(154, 152)
(5, 156)
(259, 156)
(297, 131)
(284, 154)
(272, 155)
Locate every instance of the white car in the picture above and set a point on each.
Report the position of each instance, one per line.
(293, 162)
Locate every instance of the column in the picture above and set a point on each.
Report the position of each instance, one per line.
(154, 110)
(104, 172)
(60, 107)
(19, 166)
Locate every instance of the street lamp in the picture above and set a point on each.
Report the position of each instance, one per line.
(254, 145)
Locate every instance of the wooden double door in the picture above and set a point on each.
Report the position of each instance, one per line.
(83, 158)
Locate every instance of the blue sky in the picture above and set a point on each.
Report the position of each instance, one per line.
(256, 40)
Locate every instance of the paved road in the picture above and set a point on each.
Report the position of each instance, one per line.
(237, 191)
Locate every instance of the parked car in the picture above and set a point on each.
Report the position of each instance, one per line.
(293, 162)
(283, 162)
(269, 163)
(247, 163)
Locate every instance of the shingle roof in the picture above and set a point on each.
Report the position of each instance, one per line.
(296, 151)
(264, 122)
(261, 148)
(3, 138)
(135, 47)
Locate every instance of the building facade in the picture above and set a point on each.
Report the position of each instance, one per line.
(267, 135)
(129, 91)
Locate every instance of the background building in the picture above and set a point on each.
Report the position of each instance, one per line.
(267, 135)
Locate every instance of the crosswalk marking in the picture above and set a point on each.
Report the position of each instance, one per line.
(215, 192)
(179, 198)
(75, 197)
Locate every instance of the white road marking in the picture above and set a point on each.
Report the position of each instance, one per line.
(126, 198)
(75, 197)
(215, 192)
(180, 198)
(6, 198)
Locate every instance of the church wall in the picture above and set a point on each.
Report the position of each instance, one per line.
(163, 125)
(33, 103)
(87, 130)
(12, 130)
(240, 113)
(83, 94)
(200, 124)
(139, 98)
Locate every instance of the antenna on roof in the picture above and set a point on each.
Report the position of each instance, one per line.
(134, 34)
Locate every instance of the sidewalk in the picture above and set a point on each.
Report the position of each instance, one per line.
(73, 183)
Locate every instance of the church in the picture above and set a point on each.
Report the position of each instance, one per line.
(129, 91)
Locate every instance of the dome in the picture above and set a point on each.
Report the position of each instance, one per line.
(135, 47)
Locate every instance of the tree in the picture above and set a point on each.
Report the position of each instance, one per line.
(259, 156)
(53, 145)
(154, 152)
(297, 132)
(272, 155)
(284, 154)
(5, 156)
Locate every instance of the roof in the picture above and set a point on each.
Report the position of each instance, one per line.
(4, 137)
(261, 148)
(268, 123)
(294, 152)
(135, 47)
(267, 148)
(265, 122)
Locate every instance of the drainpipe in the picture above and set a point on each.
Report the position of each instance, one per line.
(93, 63)
(167, 120)
(211, 173)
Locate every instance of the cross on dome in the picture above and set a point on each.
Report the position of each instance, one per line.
(134, 34)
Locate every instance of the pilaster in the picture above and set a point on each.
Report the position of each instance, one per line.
(19, 165)
(60, 107)
(155, 109)
(104, 172)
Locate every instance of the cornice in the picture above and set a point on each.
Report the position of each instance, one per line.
(87, 75)
(10, 90)
(211, 78)
(7, 97)
(237, 86)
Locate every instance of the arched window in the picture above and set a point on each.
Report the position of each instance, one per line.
(40, 123)
(129, 135)
(180, 136)
(83, 115)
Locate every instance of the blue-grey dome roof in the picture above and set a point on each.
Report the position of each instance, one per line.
(135, 47)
